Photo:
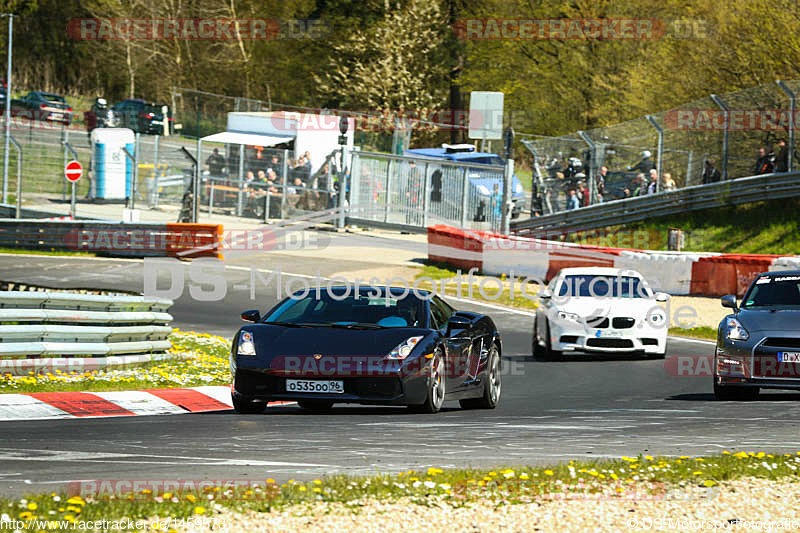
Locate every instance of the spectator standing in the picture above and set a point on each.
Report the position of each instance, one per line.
(497, 202)
(710, 174)
(583, 194)
(668, 184)
(652, 187)
(764, 163)
(215, 163)
(600, 183)
(782, 158)
(639, 187)
(572, 200)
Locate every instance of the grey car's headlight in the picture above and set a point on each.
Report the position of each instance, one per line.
(246, 346)
(735, 331)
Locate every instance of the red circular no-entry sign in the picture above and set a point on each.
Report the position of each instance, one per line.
(73, 171)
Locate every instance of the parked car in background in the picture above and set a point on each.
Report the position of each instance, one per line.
(39, 105)
(140, 116)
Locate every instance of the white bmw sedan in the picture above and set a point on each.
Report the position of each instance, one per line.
(597, 309)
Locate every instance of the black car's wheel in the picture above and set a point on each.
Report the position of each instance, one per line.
(250, 407)
(537, 350)
(315, 405)
(492, 387)
(551, 354)
(436, 386)
(727, 393)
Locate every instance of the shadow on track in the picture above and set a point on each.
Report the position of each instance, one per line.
(763, 397)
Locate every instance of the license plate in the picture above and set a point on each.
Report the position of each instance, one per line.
(789, 357)
(56, 115)
(318, 386)
(607, 333)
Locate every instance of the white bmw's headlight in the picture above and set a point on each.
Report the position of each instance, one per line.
(246, 346)
(658, 318)
(403, 350)
(735, 331)
(563, 315)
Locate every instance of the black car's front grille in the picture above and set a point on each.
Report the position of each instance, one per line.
(609, 343)
(623, 322)
(371, 387)
(781, 342)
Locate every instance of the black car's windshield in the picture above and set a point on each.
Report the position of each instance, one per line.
(599, 286)
(774, 290)
(52, 98)
(367, 309)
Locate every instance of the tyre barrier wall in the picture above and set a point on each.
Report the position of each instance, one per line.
(678, 273)
(46, 331)
(114, 239)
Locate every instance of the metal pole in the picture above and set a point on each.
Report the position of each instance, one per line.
(590, 178)
(19, 176)
(285, 182)
(135, 170)
(210, 194)
(240, 199)
(388, 189)
(154, 199)
(425, 186)
(68, 148)
(8, 107)
(689, 168)
(717, 100)
(64, 142)
(792, 102)
(506, 220)
(196, 202)
(660, 153)
(342, 188)
(464, 191)
(266, 207)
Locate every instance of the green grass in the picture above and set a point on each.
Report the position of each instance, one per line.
(39, 251)
(200, 359)
(700, 332)
(438, 272)
(771, 227)
(643, 477)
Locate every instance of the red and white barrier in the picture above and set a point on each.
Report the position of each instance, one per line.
(678, 273)
(48, 405)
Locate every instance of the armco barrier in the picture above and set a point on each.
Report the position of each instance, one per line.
(706, 274)
(113, 239)
(35, 324)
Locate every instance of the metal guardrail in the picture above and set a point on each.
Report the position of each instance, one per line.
(698, 197)
(45, 323)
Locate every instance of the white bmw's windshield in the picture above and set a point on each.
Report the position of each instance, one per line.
(598, 286)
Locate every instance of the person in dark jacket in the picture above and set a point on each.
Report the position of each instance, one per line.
(765, 162)
(645, 165)
(782, 158)
(710, 174)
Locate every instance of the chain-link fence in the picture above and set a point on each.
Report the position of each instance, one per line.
(719, 137)
(406, 191)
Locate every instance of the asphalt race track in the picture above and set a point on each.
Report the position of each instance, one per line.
(591, 407)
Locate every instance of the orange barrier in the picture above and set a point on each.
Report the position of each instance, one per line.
(187, 240)
(727, 274)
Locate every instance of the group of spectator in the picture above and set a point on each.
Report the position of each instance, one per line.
(768, 161)
(263, 174)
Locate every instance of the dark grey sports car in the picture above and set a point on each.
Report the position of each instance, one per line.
(758, 345)
(367, 345)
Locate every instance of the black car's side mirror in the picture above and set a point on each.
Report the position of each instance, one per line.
(457, 324)
(251, 316)
(729, 300)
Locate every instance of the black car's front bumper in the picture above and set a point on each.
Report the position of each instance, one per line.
(255, 384)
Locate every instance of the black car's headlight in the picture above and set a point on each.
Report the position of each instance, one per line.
(403, 350)
(735, 331)
(246, 346)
